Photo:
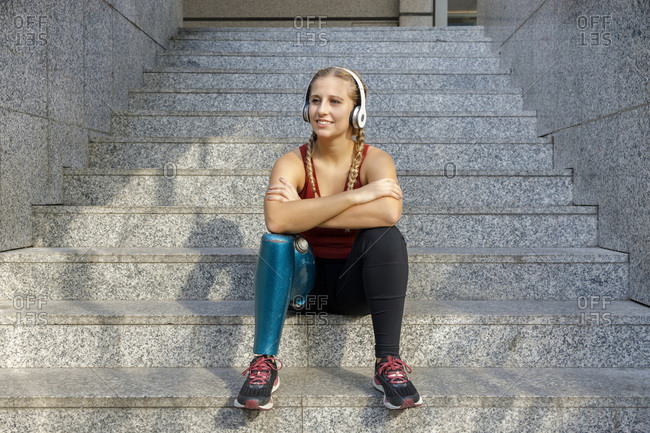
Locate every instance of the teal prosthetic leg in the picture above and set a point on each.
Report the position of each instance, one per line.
(285, 273)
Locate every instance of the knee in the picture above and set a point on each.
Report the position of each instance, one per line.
(387, 239)
(386, 236)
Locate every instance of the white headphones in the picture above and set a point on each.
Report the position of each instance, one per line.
(358, 114)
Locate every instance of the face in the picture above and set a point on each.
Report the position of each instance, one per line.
(329, 101)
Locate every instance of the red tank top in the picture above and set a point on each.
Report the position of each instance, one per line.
(325, 242)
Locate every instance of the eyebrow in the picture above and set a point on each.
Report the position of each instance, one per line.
(333, 96)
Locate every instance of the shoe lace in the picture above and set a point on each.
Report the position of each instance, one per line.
(260, 370)
(394, 369)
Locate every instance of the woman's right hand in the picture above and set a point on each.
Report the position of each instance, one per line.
(385, 187)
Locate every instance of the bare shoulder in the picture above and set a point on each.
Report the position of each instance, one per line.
(296, 153)
(375, 153)
(290, 167)
(376, 165)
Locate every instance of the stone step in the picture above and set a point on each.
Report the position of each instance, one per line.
(325, 399)
(253, 60)
(267, 123)
(251, 99)
(253, 152)
(373, 78)
(155, 333)
(244, 187)
(212, 226)
(383, 33)
(229, 273)
(325, 43)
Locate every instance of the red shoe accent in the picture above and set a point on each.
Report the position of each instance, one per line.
(255, 393)
(395, 368)
(389, 378)
(261, 370)
(252, 404)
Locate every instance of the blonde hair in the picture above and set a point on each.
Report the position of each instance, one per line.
(358, 132)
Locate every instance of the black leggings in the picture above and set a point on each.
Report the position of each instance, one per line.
(372, 280)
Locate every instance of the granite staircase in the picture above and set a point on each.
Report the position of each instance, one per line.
(134, 308)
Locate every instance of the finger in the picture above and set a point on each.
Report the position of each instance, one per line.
(276, 197)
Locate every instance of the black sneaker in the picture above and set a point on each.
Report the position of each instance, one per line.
(399, 391)
(262, 380)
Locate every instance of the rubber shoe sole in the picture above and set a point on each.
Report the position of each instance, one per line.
(253, 404)
(407, 403)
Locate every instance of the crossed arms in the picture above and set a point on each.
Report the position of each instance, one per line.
(285, 212)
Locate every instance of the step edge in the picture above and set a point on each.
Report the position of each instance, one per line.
(252, 90)
(620, 312)
(518, 256)
(480, 210)
(313, 54)
(292, 113)
(299, 140)
(293, 71)
(212, 172)
(498, 378)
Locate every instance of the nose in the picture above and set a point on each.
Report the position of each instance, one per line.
(321, 110)
(320, 107)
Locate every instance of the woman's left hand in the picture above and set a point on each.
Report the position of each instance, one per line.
(283, 192)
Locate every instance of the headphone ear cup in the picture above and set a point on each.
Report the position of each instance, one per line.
(354, 117)
(305, 112)
(361, 118)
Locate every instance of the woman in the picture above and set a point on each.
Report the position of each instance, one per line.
(343, 196)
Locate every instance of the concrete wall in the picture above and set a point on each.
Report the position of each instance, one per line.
(583, 65)
(339, 13)
(251, 13)
(64, 64)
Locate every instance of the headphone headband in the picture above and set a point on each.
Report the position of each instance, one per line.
(360, 86)
(358, 114)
